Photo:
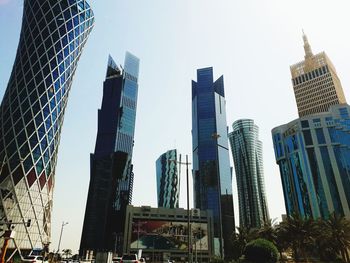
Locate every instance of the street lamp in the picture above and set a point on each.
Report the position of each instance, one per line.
(188, 204)
(215, 136)
(59, 242)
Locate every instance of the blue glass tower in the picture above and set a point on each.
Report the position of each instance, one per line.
(313, 154)
(168, 183)
(32, 112)
(211, 165)
(111, 172)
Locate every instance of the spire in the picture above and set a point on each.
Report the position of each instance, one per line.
(307, 48)
(112, 68)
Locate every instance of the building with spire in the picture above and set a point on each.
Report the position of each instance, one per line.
(247, 156)
(52, 38)
(168, 180)
(211, 164)
(111, 169)
(313, 151)
(315, 82)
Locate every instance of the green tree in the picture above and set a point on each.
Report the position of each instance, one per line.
(241, 238)
(67, 252)
(300, 233)
(261, 251)
(268, 231)
(334, 236)
(282, 239)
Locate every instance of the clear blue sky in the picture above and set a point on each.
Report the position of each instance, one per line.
(252, 43)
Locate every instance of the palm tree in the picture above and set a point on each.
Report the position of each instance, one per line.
(336, 234)
(67, 252)
(300, 233)
(241, 238)
(268, 231)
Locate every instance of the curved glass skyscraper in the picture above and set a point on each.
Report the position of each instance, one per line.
(31, 114)
(247, 156)
(168, 183)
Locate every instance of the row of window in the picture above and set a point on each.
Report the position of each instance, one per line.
(310, 75)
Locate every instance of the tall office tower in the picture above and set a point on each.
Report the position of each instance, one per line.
(313, 151)
(111, 169)
(211, 165)
(31, 114)
(316, 83)
(247, 156)
(313, 154)
(168, 181)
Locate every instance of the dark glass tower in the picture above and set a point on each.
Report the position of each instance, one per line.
(31, 113)
(247, 156)
(168, 183)
(111, 170)
(211, 165)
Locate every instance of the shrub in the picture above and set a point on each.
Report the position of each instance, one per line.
(261, 251)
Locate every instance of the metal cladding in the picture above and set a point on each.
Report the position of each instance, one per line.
(31, 114)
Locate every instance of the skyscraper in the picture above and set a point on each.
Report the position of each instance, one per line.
(211, 165)
(316, 83)
(32, 110)
(111, 169)
(313, 154)
(247, 156)
(168, 181)
(313, 151)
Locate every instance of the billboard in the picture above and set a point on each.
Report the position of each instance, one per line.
(167, 235)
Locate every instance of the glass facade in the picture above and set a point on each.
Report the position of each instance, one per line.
(111, 172)
(313, 154)
(247, 156)
(211, 166)
(168, 181)
(31, 113)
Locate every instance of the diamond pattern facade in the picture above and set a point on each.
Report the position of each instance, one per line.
(32, 111)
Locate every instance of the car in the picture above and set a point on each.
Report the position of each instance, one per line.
(116, 259)
(34, 259)
(131, 258)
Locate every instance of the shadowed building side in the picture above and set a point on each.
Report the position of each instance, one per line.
(111, 169)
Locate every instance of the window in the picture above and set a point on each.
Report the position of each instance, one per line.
(320, 136)
(307, 137)
(305, 124)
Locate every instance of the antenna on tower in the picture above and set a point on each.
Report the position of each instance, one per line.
(307, 47)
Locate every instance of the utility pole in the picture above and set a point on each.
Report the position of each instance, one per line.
(59, 242)
(188, 204)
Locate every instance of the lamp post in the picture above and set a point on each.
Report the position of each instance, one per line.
(59, 242)
(188, 204)
(215, 136)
